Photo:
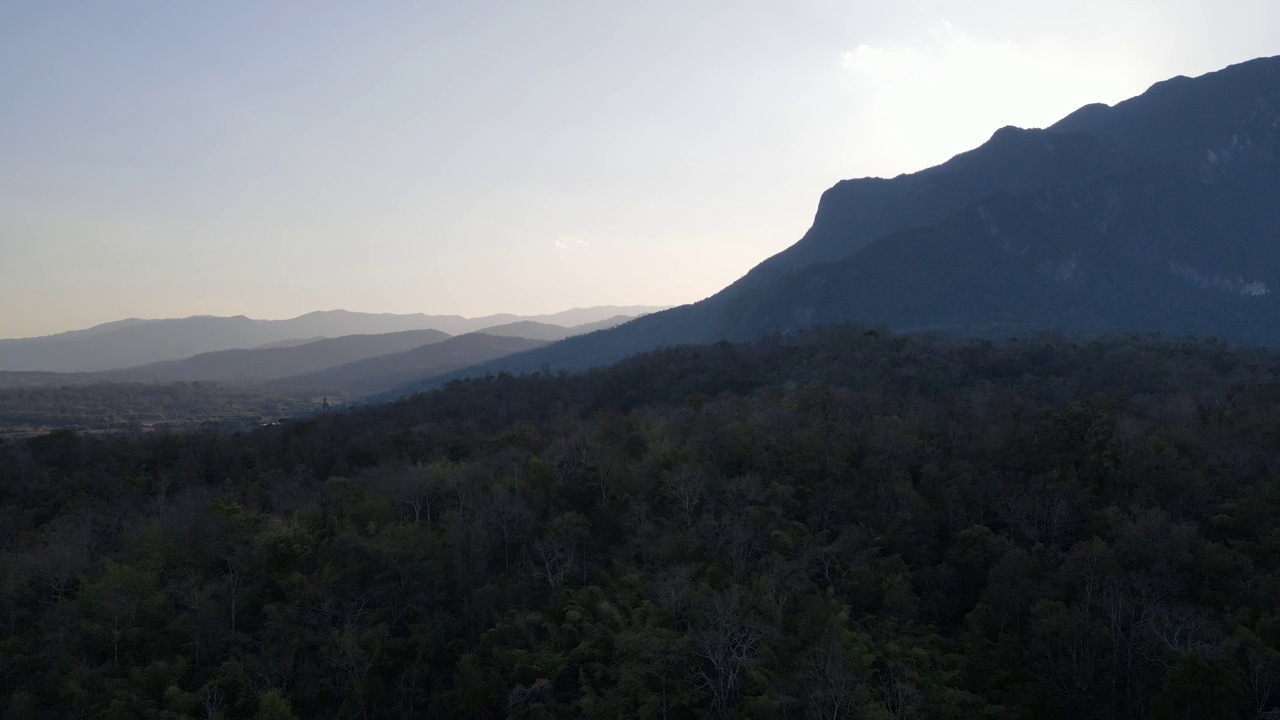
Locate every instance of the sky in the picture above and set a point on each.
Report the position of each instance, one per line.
(273, 158)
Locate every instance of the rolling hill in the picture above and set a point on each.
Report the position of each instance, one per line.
(551, 333)
(385, 372)
(261, 364)
(133, 342)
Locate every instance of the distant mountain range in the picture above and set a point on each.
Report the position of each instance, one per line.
(386, 372)
(272, 363)
(1160, 214)
(133, 342)
(551, 333)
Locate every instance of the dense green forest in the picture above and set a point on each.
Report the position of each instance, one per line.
(828, 524)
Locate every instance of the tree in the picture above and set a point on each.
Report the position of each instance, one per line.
(274, 706)
(726, 642)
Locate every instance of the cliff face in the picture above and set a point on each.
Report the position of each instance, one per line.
(1160, 214)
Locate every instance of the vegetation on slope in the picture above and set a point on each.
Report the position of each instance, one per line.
(835, 524)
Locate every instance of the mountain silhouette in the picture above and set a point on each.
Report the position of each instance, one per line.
(134, 342)
(549, 332)
(385, 372)
(270, 363)
(1160, 214)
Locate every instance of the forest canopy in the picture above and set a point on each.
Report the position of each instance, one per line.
(840, 523)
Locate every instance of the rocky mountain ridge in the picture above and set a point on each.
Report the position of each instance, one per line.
(1160, 214)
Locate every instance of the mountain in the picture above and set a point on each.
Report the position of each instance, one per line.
(385, 372)
(531, 330)
(291, 342)
(260, 364)
(134, 342)
(299, 357)
(334, 323)
(1160, 214)
(138, 342)
(551, 333)
(577, 317)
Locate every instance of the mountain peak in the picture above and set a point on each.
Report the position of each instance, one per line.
(1007, 133)
(1157, 214)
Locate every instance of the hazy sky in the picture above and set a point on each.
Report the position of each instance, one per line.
(162, 159)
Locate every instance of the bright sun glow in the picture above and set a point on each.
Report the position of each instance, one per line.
(162, 161)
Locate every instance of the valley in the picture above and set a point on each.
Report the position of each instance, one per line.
(244, 387)
(997, 439)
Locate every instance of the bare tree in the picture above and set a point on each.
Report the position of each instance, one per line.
(898, 693)
(511, 518)
(727, 645)
(211, 701)
(672, 586)
(416, 488)
(354, 655)
(551, 560)
(560, 549)
(687, 487)
(234, 581)
(833, 685)
(573, 453)
(1264, 677)
(188, 590)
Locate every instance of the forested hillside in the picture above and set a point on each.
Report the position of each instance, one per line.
(828, 524)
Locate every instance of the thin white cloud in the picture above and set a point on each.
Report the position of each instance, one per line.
(570, 242)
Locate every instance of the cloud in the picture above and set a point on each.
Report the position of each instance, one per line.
(569, 242)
